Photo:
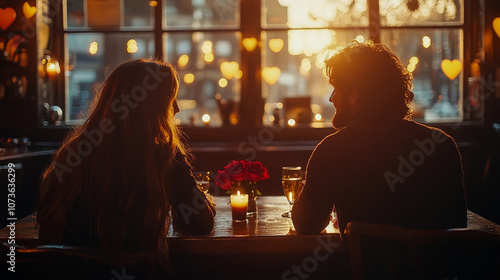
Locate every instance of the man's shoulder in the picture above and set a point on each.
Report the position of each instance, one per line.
(409, 128)
(335, 138)
(428, 131)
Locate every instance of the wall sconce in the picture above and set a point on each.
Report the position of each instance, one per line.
(496, 26)
(51, 67)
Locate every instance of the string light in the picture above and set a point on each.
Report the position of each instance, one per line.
(188, 78)
(183, 60)
(222, 82)
(132, 46)
(426, 41)
(93, 48)
(208, 57)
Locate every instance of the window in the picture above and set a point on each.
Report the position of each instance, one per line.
(267, 61)
(91, 56)
(94, 46)
(297, 37)
(427, 36)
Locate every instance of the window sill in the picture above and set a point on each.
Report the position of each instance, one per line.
(464, 132)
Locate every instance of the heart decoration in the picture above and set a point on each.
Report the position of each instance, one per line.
(451, 68)
(28, 11)
(276, 45)
(250, 43)
(228, 68)
(496, 26)
(271, 74)
(7, 17)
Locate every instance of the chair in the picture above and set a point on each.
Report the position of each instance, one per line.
(388, 252)
(66, 262)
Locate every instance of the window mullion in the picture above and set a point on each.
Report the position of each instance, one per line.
(374, 20)
(251, 102)
(158, 32)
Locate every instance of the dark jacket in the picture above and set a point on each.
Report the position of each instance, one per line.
(401, 173)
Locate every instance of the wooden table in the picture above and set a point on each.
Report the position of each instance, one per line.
(267, 227)
(265, 247)
(267, 241)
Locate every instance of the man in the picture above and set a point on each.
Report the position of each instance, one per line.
(379, 167)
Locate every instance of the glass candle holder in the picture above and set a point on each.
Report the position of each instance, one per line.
(239, 206)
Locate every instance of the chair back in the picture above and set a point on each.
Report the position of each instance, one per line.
(381, 251)
(68, 262)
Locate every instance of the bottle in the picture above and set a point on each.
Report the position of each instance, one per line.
(2, 91)
(23, 58)
(22, 83)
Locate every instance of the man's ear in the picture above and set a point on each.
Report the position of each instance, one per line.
(354, 98)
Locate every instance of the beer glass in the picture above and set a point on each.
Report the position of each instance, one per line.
(292, 185)
(202, 180)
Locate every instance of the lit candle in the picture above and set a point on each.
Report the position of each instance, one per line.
(239, 206)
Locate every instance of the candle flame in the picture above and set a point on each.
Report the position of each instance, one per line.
(238, 192)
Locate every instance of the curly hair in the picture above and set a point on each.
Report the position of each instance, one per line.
(377, 74)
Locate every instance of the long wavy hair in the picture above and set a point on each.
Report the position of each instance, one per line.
(111, 175)
(377, 74)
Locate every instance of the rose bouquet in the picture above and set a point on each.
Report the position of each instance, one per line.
(242, 173)
(242, 176)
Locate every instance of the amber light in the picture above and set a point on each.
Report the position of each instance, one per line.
(51, 67)
(496, 26)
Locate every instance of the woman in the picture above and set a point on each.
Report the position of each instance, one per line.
(114, 180)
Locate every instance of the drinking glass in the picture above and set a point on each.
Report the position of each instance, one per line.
(292, 185)
(202, 180)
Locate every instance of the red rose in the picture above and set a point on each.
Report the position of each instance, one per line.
(256, 172)
(239, 171)
(223, 179)
(236, 169)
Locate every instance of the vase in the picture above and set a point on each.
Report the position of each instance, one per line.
(249, 188)
(252, 203)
